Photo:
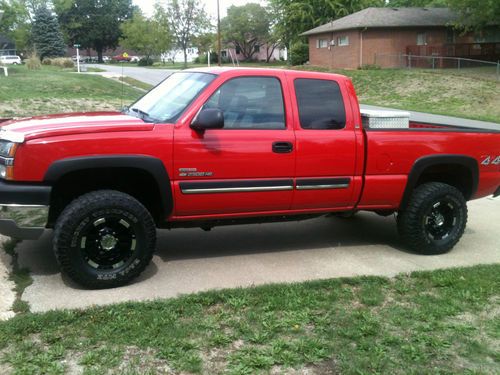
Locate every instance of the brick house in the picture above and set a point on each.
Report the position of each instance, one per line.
(370, 36)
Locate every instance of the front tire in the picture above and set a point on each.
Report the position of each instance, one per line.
(434, 219)
(104, 239)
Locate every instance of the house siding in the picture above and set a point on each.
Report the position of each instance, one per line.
(375, 44)
(335, 57)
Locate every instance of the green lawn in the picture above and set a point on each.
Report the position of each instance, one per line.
(54, 90)
(439, 322)
(460, 94)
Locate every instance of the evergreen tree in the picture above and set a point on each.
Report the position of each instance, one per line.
(46, 34)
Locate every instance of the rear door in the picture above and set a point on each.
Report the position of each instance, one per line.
(326, 144)
(246, 167)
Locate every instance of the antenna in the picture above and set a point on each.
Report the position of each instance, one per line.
(121, 99)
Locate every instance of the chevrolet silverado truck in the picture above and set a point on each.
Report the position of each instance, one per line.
(221, 146)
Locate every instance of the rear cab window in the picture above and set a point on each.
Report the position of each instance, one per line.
(320, 104)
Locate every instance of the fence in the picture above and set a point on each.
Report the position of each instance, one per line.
(486, 69)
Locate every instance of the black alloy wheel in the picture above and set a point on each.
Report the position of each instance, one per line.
(434, 219)
(104, 239)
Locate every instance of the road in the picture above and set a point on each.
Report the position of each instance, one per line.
(191, 260)
(151, 76)
(155, 76)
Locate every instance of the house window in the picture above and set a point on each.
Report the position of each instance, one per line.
(450, 36)
(257, 49)
(223, 53)
(238, 50)
(343, 40)
(321, 43)
(421, 39)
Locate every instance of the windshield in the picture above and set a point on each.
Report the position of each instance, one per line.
(167, 101)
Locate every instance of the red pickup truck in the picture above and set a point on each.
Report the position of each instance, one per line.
(212, 147)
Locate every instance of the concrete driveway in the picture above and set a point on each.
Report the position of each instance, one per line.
(191, 260)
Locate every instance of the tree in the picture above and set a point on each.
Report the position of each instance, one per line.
(46, 34)
(146, 36)
(93, 23)
(247, 28)
(293, 17)
(15, 23)
(476, 14)
(187, 19)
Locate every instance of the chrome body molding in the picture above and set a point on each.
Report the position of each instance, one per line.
(319, 187)
(23, 221)
(236, 189)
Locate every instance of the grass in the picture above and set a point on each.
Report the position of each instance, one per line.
(449, 93)
(439, 322)
(137, 84)
(54, 90)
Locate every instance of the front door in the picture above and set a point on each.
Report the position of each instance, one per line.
(246, 167)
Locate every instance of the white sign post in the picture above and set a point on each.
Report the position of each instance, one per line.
(77, 46)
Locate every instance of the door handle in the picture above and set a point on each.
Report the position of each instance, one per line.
(282, 147)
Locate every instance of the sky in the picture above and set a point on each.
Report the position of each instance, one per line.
(210, 5)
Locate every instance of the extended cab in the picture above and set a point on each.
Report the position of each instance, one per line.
(211, 147)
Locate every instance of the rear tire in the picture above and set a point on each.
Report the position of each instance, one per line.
(104, 239)
(434, 219)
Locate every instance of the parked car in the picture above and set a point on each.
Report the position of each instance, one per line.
(222, 146)
(10, 60)
(135, 58)
(81, 58)
(121, 58)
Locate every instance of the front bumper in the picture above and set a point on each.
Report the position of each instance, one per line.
(24, 209)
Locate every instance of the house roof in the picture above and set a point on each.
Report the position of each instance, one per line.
(389, 17)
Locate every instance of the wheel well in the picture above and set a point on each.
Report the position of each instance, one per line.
(456, 175)
(133, 181)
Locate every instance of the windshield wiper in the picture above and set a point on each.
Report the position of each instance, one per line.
(143, 115)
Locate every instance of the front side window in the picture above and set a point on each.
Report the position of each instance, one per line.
(167, 101)
(250, 103)
(320, 104)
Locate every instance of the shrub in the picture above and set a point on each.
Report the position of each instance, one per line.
(63, 62)
(33, 63)
(47, 61)
(145, 61)
(299, 53)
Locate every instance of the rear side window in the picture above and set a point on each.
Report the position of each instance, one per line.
(320, 104)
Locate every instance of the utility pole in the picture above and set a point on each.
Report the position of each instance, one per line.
(219, 60)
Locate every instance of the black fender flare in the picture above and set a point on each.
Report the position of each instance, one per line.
(149, 164)
(425, 162)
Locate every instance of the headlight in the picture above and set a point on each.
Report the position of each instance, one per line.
(7, 149)
(7, 152)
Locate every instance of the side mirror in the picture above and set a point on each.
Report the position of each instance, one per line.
(210, 118)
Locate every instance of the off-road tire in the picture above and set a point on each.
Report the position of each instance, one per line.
(127, 224)
(434, 220)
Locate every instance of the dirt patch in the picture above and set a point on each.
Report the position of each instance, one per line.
(142, 361)
(7, 292)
